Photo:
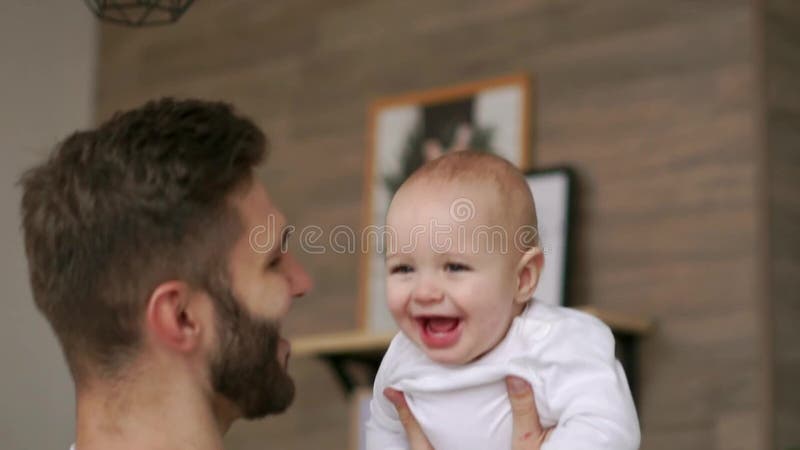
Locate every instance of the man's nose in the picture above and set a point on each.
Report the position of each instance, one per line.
(300, 281)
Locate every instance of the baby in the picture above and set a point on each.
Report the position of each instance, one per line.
(463, 263)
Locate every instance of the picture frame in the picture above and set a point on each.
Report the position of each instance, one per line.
(554, 196)
(491, 115)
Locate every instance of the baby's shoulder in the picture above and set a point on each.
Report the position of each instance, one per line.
(550, 321)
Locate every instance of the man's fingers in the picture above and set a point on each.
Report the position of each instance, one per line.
(416, 438)
(528, 433)
(399, 401)
(523, 405)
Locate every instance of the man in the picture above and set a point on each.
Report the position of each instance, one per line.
(160, 262)
(138, 237)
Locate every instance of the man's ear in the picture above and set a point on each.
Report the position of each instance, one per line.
(173, 316)
(528, 271)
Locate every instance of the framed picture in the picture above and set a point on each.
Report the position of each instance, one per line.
(553, 193)
(359, 414)
(408, 130)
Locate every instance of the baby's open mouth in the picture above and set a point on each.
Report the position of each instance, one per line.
(438, 325)
(439, 331)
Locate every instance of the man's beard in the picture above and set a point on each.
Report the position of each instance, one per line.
(246, 369)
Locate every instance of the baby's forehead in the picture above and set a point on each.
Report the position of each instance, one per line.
(470, 188)
(470, 207)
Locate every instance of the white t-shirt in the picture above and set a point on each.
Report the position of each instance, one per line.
(566, 355)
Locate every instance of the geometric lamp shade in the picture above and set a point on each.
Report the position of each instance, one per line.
(138, 13)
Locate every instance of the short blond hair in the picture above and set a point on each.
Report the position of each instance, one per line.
(480, 167)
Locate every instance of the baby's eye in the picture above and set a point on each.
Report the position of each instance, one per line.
(455, 267)
(401, 269)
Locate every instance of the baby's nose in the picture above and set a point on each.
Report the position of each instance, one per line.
(428, 292)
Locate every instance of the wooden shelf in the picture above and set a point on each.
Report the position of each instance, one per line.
(347, 341)
(620, 322)
(364, 342)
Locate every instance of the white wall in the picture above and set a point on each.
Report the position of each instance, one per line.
(47, 66)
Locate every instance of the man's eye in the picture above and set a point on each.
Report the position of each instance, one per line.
(455, 267)
(275, 262)
(401, 269)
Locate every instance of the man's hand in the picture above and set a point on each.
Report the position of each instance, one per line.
(416, 438)
(527, 430)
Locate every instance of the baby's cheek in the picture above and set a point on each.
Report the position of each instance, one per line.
(396, 298)
(397, 308)
(494, 323)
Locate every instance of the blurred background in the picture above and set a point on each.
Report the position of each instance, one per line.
(681, 119)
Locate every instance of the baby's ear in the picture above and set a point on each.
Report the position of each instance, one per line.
(528, 271)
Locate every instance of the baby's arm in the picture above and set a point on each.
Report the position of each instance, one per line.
(586, 389)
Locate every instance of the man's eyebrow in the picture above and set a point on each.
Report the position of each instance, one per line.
(286, 233)
(275, 250)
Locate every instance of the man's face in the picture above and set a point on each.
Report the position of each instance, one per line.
(249, 366)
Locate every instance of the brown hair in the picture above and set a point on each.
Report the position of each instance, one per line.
(117, 210)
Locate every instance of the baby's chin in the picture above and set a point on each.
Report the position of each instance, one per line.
(449, 356)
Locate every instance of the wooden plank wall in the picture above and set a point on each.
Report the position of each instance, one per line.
(781, 58)
(652, 102)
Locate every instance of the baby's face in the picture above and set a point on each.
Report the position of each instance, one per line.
(450, 289)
